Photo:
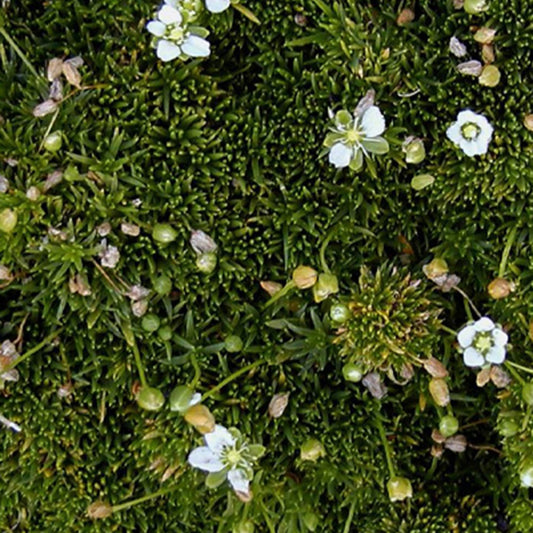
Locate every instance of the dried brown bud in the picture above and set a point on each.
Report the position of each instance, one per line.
(437, 436)
(271, 287)
(201, 418)
(104, 229)
(500, 288)
(278, 404)
(435, 368)
(130, 229)
(99, 509)
(483, 377)
(437, 450)
(44, 108)
(76, 61)
(528, 121)
(54, 69)
(365, 103)
(56, 90)
(499, 377)
(487, 54)
(139, 308)
(374, 385)
(71, 73)
(304, 277)
(407, 372)
(202, 243)
(245, 497)
(456, 443)
(78, 284)
(137, 292)
(471, 68)
(405, 17)
(52, 179)
(5, 274)
(457, 48)
(439, 392)
(300, 19)
(168, 472)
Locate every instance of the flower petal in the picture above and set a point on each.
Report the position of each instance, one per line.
(373, 122)
(219, 439)
(340, 155)
(470, 148)
(500, 337)
(496, 355)
(169, 15)
(205, 459)
(195, 46)
(196, 398)
(156, 27)
(454, 133)
(472, 357)
(217, 6)
(466, 336)
(484, 324)
(167, 51)
(238, 480)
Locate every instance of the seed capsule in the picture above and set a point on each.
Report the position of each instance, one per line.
(448, 425)
(399, 488)
(439, 392)
(201, 418)
(278, 404)
(304, 277)
(8, 220)
(500, 288)
(99, 509)
(206, 263)
(352, 372)
(150, 398)
(164, 233)
(53, 142)
(233, 343)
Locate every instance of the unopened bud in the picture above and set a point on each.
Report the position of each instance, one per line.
(206, 263)
(405, 17)
(500, 288)
(278, 404)
(53, 142)
(421, 181)
(414, 150)
(99, 509)
(163, 285)
(528, 121)
(164, 233)
(485, 35)
(475, 6)
(8, 220)
(439, 392)
(352, 372)
(304, 277)
(44, 108)
(201, 418)
(233, 343)
(490, 76)
(399, 488)
(326, 285)
(271, 287)
(470, 68)
(339, 313)
(312, 450)
(150, 398)
(202, 243)
(448, 425)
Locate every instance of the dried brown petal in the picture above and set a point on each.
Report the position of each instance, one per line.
(79, 285)
(457, 48)
(450, 282)
(168, 472)
(54, 69)
(365, 103)
(137, 292)
(130, 229)
(72, 74)
(44, 108)
(202, 243)
(139, 308)
(271, 287)
(76, 61)
(483, 377)
(56, 90)
(5, 273)
(487, 53)
(33, 193)
(405, 17)
(437, 450)
(8, 349)
(499, 377)
(99, 510)
(375, 386)
(435, 368)
(437, 436)
(57, 234)
(528, 121)
(278, 404)
(471, 68)
(456, 443)
(52, 179)
(104, 229)
(439, 392)
(407, 372)
(300, 19)
(245, 497)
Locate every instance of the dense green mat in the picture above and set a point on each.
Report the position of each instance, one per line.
(233, 145)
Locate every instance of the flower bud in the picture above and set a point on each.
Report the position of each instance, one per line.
(475, 6)
(278, 404)
(162, 285)
(233, 344)
(202, 243)
(352, 372)
(485, 35)
(206, 263)
(271, 287)
(527, 393)
(509, 423)
(399, 488)
(528, 121)
(439, 392)
(165, 333)
(312, 450)
(435, 268)
(500, 288)
(44, 108)
(244, 527)
(490, 76)
(448, 425)
(304, 277)
(405, 17)
(339, 313)
(470, 68)
(526, 474)
(414, 150)
(53, 142)
(164, 233)
(201, 418)
(150, 323)
(150, 398)
(99, 509)
(327, 284)
(8, 220)
(180, 398)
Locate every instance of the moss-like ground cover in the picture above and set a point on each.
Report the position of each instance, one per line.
(232, 144)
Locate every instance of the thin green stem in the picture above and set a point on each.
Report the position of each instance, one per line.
(323, 247)
(197, 372)
(31, 351)
(139, 364)
(131, 503)
(230, 378)
(282, 292)
(49, 129)
(348, 523)
(18, 51)
(506, 251)
(386, 446)
(468, 300)
(448, 330)
(516, 365)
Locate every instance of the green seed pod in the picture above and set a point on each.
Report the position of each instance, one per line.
(233, 344)
(53, 142)
(399, 488)
(162, 285)
(8, 220)
(339, 313)
(244, 527)
(509, 423)
(180, 398)
(526, 473)
(415, 151)
(312, 450)
(150, 322)
(448, 425)
(165, 333)
(527, 393)
(304, 277)
(310, 520)
(475, 6)
(164, 233)
(490, 76)
(206, 263)
(352, 372)
(150, 398)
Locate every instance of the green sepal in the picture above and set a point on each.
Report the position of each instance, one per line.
(376, 145)
(215, 479)
(255, 451)
(357, 162)
(343, 118)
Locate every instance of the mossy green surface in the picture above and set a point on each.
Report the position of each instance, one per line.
(232, 145)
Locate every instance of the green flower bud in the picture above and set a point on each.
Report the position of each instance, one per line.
(399, 488)
(448, 425)
(312, 450)
(310, 520)
(527, 393)
(150, 322)
(150, 398)
(8, 220)
(244, 527)
(53, 142)
(352, 372)
(490, 76)
(162, 285)
(304, 277)
(509, 423)
(526, 474)
(206, 263)
(165, 333)
(327, 284)
(164, 233)
(339, 313)
(180, 398)
(475, 6)
(233, 343)
(415, 151)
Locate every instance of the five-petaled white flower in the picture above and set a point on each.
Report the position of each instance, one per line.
(226, 456)
(354, 136)
(471, 132)
(217, 6)
(175, 38)
(483, 343)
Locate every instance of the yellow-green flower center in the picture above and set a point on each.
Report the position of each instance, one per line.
(470, 131)
(483, 342)
(175, 33)
(353, 136)
(233, 457)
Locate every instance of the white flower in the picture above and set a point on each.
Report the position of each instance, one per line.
(471, 132)
(175, 40)
(10, 425)
(355, 136)
(217, 6)
(226, 456)
(482, 343)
